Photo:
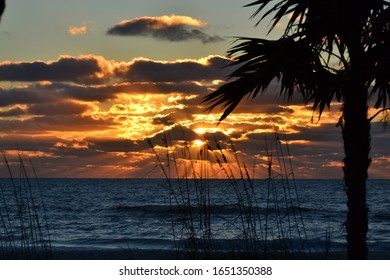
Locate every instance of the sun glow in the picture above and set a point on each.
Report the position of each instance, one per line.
(199, 143)
(200, 130)
(204, 130)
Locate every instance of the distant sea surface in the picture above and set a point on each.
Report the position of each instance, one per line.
(104, 214)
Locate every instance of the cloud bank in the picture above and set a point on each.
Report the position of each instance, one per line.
(87, 116)
(173, 28)
(66, 68)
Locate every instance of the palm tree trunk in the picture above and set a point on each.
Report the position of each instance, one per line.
(356, 134)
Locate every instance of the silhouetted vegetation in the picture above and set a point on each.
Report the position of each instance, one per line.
(2, 7)
(331, 50)
(269, 226)
(24, 232)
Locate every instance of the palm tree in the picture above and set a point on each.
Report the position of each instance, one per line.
(331, 50)
(2, 7)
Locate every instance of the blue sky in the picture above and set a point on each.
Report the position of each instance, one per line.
(39, 29)
(81, 101)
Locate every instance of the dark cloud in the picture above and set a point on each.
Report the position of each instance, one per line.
(28, 142)
(56, 157)
(176, 133)
(24, 95)
(58, 123)
(169, 137)
(60, 92)
(53, 93)
(116, 145)
(158, 87)
(169, 28)
(82, 92)
(61, 108)
(70, 78)
(380, 140)
(262, 106)
(13, 112)
(315, 152)
(167, 120)
(65, 69)
(214, 138)
(190, 70)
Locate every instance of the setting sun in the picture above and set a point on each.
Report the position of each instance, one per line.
(199, 143)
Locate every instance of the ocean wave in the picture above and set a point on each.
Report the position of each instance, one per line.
(106, 243)
(230, 209)
(381, 216)
(138, 214)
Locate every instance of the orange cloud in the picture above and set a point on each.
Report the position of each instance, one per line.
(81, 30)
(88, 116)
(163, 22)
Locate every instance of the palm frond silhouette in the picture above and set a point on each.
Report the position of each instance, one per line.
(2, 7)
(331, 50)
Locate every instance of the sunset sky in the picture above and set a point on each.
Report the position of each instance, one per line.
(85, 83)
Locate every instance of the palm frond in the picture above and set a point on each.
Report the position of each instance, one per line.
(377, 41)
(293, 63)
(319, 19)
(300, 60)
(279, 9)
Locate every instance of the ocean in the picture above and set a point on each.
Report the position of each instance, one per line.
(187, 215)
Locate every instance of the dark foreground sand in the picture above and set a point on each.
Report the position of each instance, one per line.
(135, 254)
(113, 254)
(160, 254)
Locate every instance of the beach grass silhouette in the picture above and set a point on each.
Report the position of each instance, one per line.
(23, 223)
(276, 231)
